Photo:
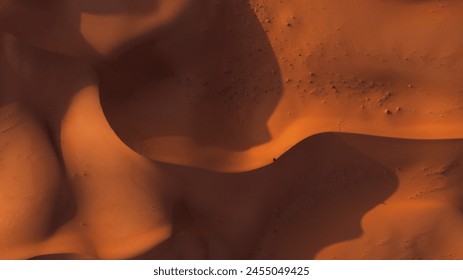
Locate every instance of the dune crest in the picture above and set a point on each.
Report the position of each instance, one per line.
(315, 80)
(230, 129)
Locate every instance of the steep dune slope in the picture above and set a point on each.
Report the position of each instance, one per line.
(243, 96)
(231, 129)
(330, 196)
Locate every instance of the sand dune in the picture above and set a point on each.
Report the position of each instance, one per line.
(260, 129)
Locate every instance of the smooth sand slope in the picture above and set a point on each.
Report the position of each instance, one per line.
(182, 129)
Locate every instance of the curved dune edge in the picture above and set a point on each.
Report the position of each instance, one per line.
(229, 161)
(310, 152)
(187, 152)
(294, 208)
(364, 74)
(375, 178)
(325, 173)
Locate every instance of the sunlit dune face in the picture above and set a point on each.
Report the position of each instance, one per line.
(231, 129)
(377, 67)
(369, 49)
(89, 29)
(102, 28)
(395, 62)
(344, 66)
(385, 41)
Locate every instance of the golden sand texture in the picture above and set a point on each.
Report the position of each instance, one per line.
(257, 129)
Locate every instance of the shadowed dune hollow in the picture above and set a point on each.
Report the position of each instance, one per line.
(257, 129)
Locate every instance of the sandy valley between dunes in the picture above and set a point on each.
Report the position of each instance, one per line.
(226, 129)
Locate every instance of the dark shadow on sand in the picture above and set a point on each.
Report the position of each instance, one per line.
(314, 196)
(232, 86)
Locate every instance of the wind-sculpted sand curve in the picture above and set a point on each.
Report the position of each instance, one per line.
(259, 129)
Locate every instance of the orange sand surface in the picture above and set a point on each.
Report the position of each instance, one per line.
(226, 129)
